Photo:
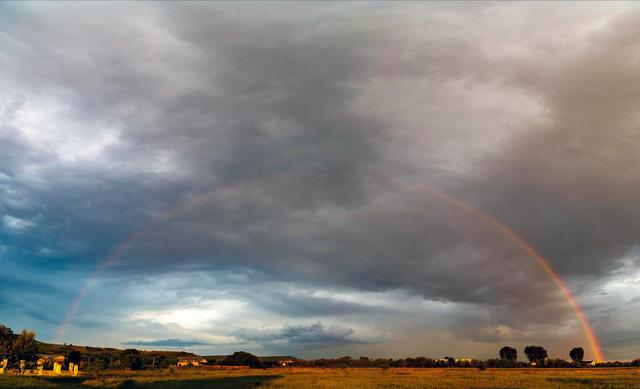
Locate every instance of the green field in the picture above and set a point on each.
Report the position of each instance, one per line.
(345, 378)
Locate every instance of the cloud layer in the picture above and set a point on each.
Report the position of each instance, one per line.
(273, 169)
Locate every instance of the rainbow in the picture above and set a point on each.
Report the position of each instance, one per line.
(532, 253)
(120, 250)
(455, 202)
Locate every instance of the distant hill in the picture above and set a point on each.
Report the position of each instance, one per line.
(88, 351)
(94, 352)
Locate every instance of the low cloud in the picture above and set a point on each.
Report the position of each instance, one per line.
(16, 223)
(303, 335)
(171, 343)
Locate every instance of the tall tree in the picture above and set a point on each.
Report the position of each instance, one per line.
(74, 356)
(536, 354)
(6, 340)
(24, 347)
(509, 355)
(577, 355)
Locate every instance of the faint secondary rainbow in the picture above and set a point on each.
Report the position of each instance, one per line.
(455, 202)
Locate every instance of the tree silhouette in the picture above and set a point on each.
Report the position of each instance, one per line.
(131, 359)
(6, 340)
(24, 347)
(535, 354)
(509, 355)
(74, 356)
(577, 355)
(241, 358)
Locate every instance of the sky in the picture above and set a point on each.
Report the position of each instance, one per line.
(273, 177)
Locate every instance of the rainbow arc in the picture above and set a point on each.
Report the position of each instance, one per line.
(452, 201)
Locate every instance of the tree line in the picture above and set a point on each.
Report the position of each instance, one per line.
(507, 358)
(18, 347)
(23, 347)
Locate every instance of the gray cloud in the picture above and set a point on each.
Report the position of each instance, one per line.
(580, 164)
(297, 335)
(301, 142)
(304, 305)
(177, 343)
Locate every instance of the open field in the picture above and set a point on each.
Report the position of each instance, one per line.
(346, 378)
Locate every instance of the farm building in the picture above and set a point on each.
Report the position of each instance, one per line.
(184, 362)
(53, 362)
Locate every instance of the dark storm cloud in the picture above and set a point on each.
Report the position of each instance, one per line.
(263, 120)
(63, 211)
(571, 186)
(301, 141)
(266, 293)
(9, 283)
(168, 343)
(290, 335)
(272, 108)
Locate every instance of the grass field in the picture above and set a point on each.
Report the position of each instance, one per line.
(346, 378)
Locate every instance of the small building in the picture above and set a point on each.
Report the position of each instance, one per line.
(73, 369)
(54, 361)
(193, 361)
(285, 362)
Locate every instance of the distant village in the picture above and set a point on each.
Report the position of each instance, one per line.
(61, 365)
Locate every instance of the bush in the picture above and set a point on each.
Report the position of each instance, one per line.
(242, 358)
(131, 359)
